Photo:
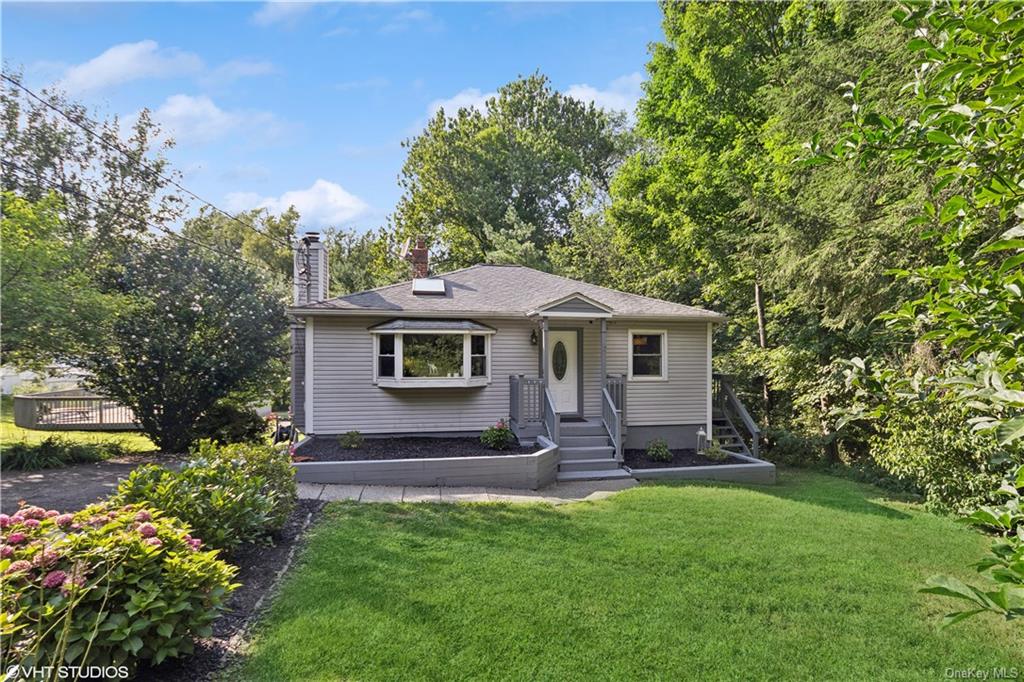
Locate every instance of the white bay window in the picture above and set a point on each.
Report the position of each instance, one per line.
(425, 353)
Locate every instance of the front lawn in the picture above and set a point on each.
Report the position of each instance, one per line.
(10, 433)
(812, 578)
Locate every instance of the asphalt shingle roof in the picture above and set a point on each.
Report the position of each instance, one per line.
(505, 290)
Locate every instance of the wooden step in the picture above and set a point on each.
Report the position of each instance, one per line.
(605, 451)
(600, 464)
(574, 441)
(608, 474)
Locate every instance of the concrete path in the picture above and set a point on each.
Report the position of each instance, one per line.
(559, 493)
(67, 489)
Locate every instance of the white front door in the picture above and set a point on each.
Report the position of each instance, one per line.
(563, 363)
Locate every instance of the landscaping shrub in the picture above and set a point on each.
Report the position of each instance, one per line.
(350, 440)
(499, 436)
(227, 423)
(228, 494)
(657, 451)
(107, 586)
(714, 451)
(56, 451)
(931, 445)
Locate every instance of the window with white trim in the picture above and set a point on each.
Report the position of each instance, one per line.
(426, 358)
(647, 360)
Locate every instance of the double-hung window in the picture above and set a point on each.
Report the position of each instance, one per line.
(647, 355)
(412, 354)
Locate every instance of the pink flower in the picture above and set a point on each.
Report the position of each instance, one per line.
(6, 551)
(143, 515)
(45, 557)
(154, 541)
(64, 520)
(51, 513)
(31, 523)
(147, 530)
(32, 512)
(16, 538)
(18, 567)
(194, 543)
(5, 521)
(54, 579)
(18, 517)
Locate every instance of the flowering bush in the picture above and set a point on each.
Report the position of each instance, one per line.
(107, 586)
(228, 494)
(499, 436)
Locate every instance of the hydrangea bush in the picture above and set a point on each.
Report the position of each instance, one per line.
(107, 586)
(228, 494)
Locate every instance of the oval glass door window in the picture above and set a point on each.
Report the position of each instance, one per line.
(559, 360)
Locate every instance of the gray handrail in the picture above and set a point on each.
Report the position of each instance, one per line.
(551, 422)
(741, 411)
(612, 419)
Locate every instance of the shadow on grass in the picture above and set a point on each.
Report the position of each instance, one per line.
(831, 492)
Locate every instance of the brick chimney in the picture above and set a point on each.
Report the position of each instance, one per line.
(310, 274)
(419, 257)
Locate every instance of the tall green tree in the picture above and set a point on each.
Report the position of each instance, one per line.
(51, 305)
(192, 328)
(796, 255)
(970, 311)
(475, 179)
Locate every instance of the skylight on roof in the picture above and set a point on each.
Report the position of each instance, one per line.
(431, 286)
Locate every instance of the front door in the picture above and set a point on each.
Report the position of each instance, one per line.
(563, 359)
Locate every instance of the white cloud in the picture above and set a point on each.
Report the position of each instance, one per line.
(620, 95)
(406, 20)
(470, 97)
(194, 120)
(280, 13)
(127, 62)
(235, 69)
(322, 204)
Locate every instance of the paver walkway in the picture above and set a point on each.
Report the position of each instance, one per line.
(559, 493)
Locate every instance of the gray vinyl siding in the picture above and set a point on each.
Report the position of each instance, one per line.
(682, 399)
(575, 305)
(346, 398)
(298, 374)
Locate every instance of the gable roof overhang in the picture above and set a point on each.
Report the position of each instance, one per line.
(431, 326)
(573, 305)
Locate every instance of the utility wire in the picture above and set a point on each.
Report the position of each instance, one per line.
(99, 138)
(170, 233)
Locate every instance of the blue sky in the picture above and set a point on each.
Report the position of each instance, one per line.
(278, 103)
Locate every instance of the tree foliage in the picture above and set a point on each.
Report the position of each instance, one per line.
(474, 179)
(194, 328)
(970, 64)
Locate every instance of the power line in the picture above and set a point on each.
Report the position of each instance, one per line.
(138, 162)
(170, 233)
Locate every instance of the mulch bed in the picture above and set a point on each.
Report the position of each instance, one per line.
(323, 449)
(638, 459)
(258, 566)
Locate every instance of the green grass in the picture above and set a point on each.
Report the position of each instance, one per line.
(10, 433)
(814, 578)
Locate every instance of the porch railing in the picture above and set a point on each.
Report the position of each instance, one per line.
(551, 418)
(525, 399)
(74, 409)
(730, 407)
(615, 384)
(612, 418)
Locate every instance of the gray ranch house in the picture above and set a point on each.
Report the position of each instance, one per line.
(590, 369)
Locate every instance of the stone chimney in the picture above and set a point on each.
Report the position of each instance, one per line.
(310, 274)
(419, 257)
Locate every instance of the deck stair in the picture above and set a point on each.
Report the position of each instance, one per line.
(727, 435)
(587, 453)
